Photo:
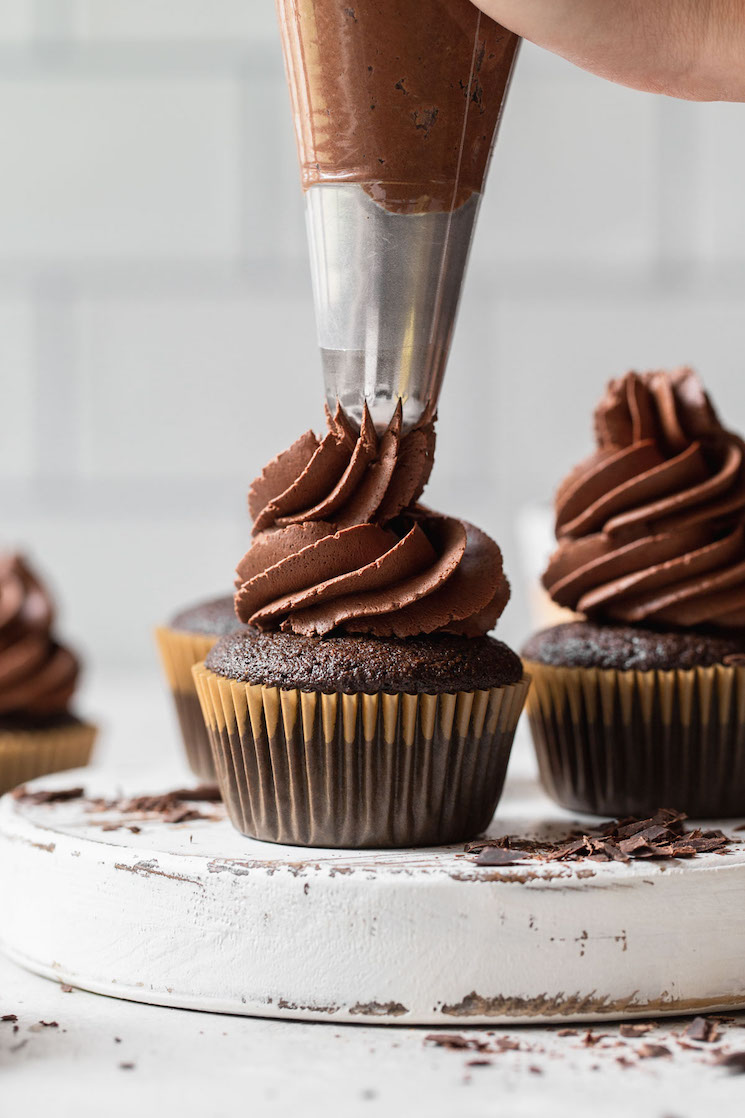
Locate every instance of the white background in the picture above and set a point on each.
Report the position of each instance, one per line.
(156, 329)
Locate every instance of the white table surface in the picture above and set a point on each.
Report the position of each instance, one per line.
(214, 1065)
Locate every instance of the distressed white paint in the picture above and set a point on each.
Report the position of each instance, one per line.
(199, 917)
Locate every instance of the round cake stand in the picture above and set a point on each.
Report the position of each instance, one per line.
(194, 915)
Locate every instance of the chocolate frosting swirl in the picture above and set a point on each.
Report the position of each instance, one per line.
(651, 527)
(341, 542)
(37, 675)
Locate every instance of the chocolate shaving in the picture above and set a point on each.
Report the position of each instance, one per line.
(636, 1028)
(703, 1029)
(454, 1041)
(170, 807)
(661, 835)
(653, 1051)
(498, 856)
(12, 1017)
(507, 1044)
(734, 1062)
(54, 796)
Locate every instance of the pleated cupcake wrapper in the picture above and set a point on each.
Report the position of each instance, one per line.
(626, 742)
(26, 754)
(179, 652)
(379, 770)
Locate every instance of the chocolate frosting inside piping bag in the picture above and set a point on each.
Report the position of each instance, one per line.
(651, 527)
(37, 675)
(341, 542)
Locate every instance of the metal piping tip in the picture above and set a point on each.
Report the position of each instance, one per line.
(386, 287)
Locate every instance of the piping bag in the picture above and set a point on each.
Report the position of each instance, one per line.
(396, 106)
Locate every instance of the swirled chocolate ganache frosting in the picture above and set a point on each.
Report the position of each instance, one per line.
(37, 674)
(341, 542)
(651, 527)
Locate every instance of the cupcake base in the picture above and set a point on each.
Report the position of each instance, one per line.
(616, 743)
(306, 768)
(28, 752)
(179, 651)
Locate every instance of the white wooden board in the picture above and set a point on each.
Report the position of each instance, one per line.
(194, 915)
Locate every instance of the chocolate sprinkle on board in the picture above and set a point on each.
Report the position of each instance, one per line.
(661, 835)
(11, 1017)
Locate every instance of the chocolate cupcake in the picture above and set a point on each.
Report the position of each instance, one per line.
(38, 732)
(371, 709)
(642, 704)
(182, 643)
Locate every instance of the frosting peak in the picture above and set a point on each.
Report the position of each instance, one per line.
(37, 675)
(341, 542)
(346, 477)
(651, 527)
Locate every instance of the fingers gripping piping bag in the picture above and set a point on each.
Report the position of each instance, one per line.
(396, 106)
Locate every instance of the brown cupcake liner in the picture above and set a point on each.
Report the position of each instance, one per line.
(628, 742)
(179, 652)
(26, 754)
(380, 770)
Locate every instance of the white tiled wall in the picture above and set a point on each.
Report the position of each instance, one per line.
(156, 331)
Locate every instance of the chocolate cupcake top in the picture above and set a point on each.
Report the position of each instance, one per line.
(438, 664)
(213, 618)
(341, 542)
(651, 527)
(37, 674)
(584, 644)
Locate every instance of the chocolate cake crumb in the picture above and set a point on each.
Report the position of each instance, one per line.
(10, 1017)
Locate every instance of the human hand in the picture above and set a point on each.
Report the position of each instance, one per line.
(694, 49)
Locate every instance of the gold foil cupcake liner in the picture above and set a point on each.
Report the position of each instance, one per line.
(366, 770)
(627, 742)
(179, 652)
(26, 754)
